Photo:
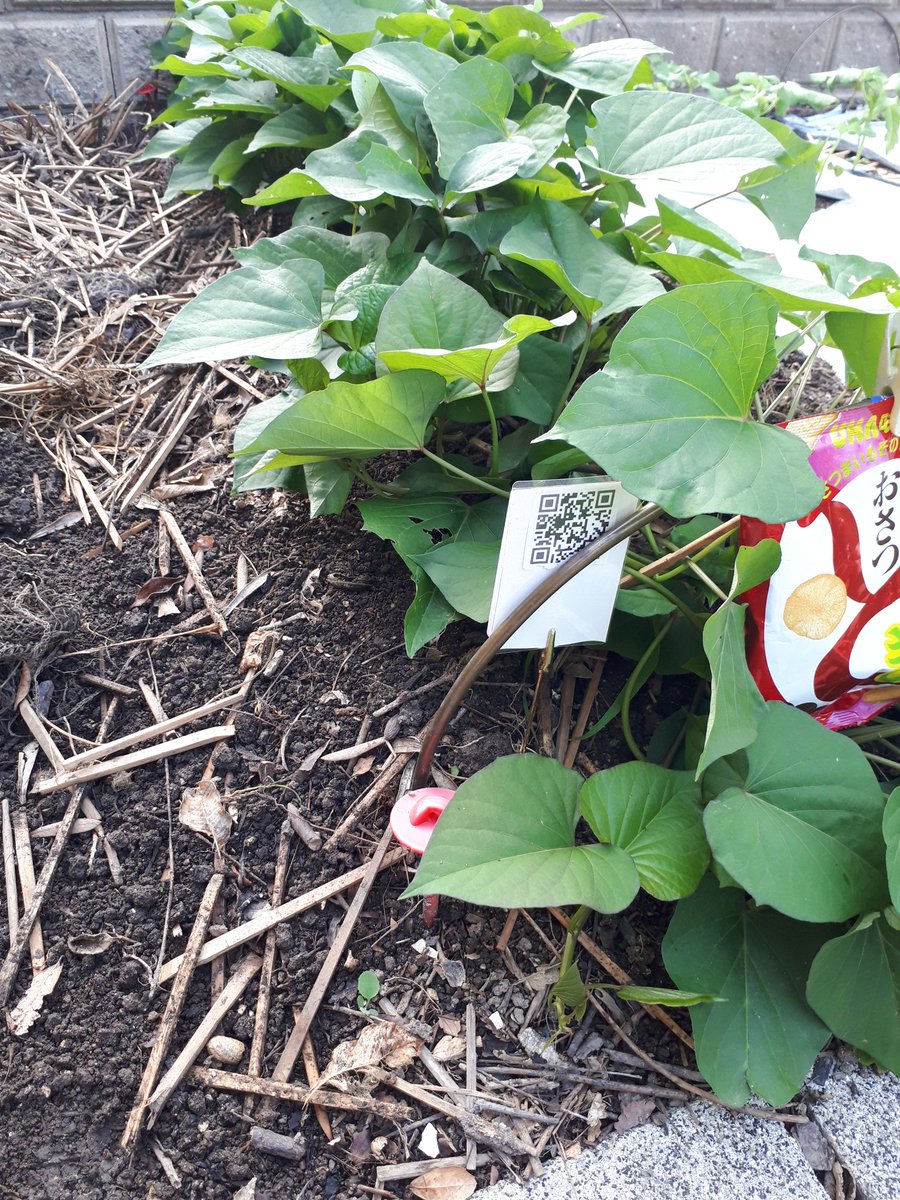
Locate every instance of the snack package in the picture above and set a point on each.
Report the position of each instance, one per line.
(824, 631)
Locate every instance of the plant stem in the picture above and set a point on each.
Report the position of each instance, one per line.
(631, 685)
(576, 921)
(495, 434)
(382, 489)
(479, 485)
(573, 378)
(882, 762)
(648, 581)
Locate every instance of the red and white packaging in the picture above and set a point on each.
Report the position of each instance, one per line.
(824, 631)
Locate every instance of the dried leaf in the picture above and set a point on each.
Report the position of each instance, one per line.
(453, 971)
(248, 1191)
(363, 766)
(308, 764)
(90, 943)
(451, 1025)
(258, 649)
(204, 542)
(444, 1183)
(156, 586)
(203, 811)
(166, 607)
(360, 1149)
(24, 1015)
(379, 1043)
(634, 1113)
(449, 1048)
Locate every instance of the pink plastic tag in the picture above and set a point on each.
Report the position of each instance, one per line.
(415, 815)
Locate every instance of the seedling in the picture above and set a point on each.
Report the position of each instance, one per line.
(368, 985)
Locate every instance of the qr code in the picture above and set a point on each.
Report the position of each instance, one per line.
(565, 522)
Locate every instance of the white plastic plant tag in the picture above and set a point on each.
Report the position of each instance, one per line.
(546, 522)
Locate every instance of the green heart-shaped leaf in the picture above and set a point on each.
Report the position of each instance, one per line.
(306, 78)
(644, 133)
(603, 68)
(654, 815)
(736, 706)
(891, 831)
(347, 420)
(467, 108)
(558, 243)
(274, 312)
(765, 1037)
(803, 832)
(668, 416)
(506, 839)
(854, 986)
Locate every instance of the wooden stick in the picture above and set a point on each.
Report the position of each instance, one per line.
(677, 556)
(9, 873)
(311, 1067)
(26, 879)
(233, 1081)
(368, 798)
(621, 976)
(39, 732)
(471, 1081)
(393, 1172)
(335, 955)
(266, 1141)
(173, 1010)
(151, 731)
(264, 995)
(139, 758)
(30, 915)
(233, 990)
(193, 568)
(587, 703)
(264, 921)
(487, 1133)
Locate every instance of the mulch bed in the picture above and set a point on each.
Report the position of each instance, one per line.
(107, 471)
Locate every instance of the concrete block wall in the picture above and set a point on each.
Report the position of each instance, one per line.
(103, 45)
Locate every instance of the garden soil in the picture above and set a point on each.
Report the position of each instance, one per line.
(70, 608)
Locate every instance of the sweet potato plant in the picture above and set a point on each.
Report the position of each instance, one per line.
(482, 270)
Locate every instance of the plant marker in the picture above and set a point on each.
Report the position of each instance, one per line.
(413, 819)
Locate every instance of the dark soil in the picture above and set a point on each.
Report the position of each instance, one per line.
(337, 596)
(67, 1086)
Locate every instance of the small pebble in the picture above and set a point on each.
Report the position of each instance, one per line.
(226, 1049)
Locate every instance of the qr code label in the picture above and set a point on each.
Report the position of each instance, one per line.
(566, 521)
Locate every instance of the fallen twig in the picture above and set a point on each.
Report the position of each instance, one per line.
(284, 912)
(193, 569)
(39, 732)
(51, 862)
(172, 1011)
(368, 798)
(9, 871)
(485, 1132)
(311, 1067)
(336, 952)
(261, 1018)
(26, 879)
(233, 1081)
(127, 762)
(232, 991)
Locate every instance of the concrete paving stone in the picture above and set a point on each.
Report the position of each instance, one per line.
(77, 44)
(859, 1111)
(704, 1153)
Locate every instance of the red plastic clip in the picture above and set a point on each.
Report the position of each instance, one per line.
(415, 815)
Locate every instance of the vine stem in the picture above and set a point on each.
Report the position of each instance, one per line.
(480, 485)
(573, 378)
(573, 929)
(648, 581)
(495, 433)
(631, 687)
(548, 587)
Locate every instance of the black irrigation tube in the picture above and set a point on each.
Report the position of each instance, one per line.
(545, 589)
